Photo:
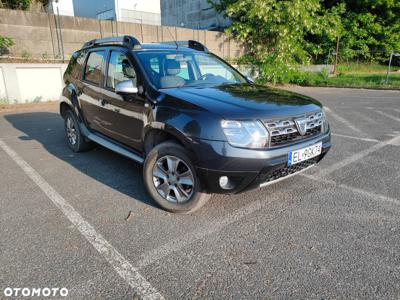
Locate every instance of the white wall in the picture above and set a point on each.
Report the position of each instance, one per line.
(139, 11)
(39, 84)
(65, 7)
(22, 83)
(3, 92)
(152, 6)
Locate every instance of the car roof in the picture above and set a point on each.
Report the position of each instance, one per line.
(158, 46)
(149, 46)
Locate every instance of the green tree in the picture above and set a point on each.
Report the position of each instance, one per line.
(278, 34)
(371, 28)
(16, 4)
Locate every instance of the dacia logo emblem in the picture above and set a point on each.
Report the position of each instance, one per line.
(301, 125)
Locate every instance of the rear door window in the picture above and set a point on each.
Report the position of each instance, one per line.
(94, 66)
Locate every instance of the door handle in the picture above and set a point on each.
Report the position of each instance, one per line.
(103, 102)
(117, 110)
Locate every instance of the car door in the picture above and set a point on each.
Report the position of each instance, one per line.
(124, 112)
(91, 92)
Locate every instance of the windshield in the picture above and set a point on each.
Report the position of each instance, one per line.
(175, 68)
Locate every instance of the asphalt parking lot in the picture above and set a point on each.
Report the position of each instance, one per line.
(86, 223)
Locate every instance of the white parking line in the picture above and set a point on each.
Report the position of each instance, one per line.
(356, 138)
(388, 116)
(357, 156)
(342, 120)
(189, 238)
(212, 228)
(354, 189)
(124, 269)
(366, 119)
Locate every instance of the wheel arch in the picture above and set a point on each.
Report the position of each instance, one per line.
(156, 134)
(69, 101)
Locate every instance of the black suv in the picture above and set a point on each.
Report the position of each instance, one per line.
(197, 124)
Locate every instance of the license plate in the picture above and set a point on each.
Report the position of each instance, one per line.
(300, 155)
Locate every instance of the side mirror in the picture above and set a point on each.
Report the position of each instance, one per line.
(126, 87)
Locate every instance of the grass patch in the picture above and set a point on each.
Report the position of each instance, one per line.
(352, 75)
(354, 67)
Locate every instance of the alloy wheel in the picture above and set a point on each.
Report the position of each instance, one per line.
(173, 179)
(71, 131)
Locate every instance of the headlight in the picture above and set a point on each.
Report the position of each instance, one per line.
(325, 124)
(245, 134)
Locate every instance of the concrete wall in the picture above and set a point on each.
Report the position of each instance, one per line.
(22, 83)
(37, 35)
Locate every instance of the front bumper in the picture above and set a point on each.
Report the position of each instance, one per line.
(246, 168)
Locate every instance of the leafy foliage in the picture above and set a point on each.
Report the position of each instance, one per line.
(5, 42)
(371, 28)
(16, 4)
(275, 32)
(281, 34)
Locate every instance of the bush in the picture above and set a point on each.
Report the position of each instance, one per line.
(17, 4)
(5, 43)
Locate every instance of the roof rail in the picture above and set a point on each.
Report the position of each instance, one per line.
(126, 40)
(189, 43)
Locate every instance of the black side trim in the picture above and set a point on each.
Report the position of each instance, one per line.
(109, 144)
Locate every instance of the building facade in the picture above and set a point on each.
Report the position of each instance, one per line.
(62, 7)
(195, 14)
(135, 11)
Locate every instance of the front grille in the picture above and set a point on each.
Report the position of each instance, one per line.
(286, 131)
(286, 171)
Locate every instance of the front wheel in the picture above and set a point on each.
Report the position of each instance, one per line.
(75, 139)
(171, 179)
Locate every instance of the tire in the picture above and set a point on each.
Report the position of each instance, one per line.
(76, 141)
(171, 180)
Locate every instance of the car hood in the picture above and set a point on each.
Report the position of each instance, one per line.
(246, 101)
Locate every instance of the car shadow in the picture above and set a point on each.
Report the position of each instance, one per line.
(101, 164)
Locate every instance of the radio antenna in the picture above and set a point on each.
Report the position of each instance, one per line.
(173, 38)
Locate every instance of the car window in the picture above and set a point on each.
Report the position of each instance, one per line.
(210, 65)
(93, 67)
(177, 68)
(184, 73)
(155, 65)
(119, 69)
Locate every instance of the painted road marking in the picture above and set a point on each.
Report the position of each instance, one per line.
(355, 157)
(343, 120)
(124, 269)
(388, 116)
(354, 189)
(356, 138)
(173, 246)
(366, 119)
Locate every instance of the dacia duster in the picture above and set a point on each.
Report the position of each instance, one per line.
(196, 124)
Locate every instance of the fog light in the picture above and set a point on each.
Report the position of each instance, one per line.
(223, 182)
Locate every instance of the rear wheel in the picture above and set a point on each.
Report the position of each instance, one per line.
(76, 141)
(171, 179)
